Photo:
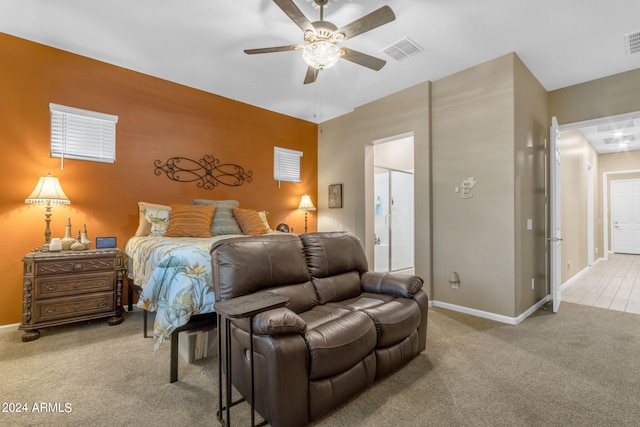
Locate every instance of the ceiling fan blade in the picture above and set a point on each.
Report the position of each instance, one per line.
(363, 59)
(368, 22)
(312, 75)
(273, 49)
(292, 11)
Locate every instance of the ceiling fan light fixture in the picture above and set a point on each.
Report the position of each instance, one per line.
(321, 54)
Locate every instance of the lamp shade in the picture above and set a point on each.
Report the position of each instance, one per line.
(48, 191)
(306, 204)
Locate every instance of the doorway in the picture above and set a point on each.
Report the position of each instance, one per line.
(625, 216)
(393, 205)
(591, 240)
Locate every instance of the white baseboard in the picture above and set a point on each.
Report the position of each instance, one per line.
(492, 316)
(578, 275)
(13, 326)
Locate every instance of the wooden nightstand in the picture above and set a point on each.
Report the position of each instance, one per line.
(71, 286)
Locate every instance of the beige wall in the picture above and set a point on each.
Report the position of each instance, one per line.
(531, 132)
(473, 128)
(345, 155)
(617, 94)
(489, 122)
(576, 153)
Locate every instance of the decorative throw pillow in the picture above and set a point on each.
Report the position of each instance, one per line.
(250, 222)
(223, 220)
(263, 217)
(156, 212)
(190, 221)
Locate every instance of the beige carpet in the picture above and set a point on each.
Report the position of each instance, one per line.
(580, 367)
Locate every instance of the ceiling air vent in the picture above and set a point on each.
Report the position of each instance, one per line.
(632, 42)
(616, 127)
(403, 49)
(624, 139)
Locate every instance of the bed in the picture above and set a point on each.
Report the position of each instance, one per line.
(172, 273)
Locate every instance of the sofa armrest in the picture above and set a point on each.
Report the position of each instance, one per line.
(279, 321)
(397, 285)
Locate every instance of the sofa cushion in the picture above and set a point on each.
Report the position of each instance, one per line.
(322, 314)
(394, 320)
(340, 344)
(332, 253)
(338, 287)
(362, 301)
(390, 359)
(302, 296)
(326, 394)
(244, 265)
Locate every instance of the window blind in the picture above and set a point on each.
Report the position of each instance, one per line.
(82, 134)
(286, 164)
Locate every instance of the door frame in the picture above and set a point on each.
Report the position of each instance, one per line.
(555, 224)
(606, 202)
(605, 196)
(590, 216)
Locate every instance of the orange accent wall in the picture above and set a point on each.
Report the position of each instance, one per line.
(157, 120)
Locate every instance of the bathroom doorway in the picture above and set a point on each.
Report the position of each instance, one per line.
(394, 205)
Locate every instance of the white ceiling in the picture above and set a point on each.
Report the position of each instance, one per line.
(200, 43)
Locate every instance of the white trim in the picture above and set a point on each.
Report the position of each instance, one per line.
(578, 275)
(605, 212)
(493, 316)
(11, 326)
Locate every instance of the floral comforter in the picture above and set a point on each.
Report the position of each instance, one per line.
(175, 276)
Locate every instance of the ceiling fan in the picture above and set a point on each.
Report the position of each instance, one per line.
(320, 49)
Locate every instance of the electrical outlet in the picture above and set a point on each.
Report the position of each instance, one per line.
(533, 284)
(455, 285)
(568, 265)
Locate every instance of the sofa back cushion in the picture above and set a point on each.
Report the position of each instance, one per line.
(336, 261)
(244, 265)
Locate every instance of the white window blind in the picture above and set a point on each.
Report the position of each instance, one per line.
(286, 164)
(82, 134)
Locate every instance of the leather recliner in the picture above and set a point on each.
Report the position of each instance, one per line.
(343, 329)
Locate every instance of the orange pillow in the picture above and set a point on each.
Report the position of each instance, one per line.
(190, 221)
(250, 222)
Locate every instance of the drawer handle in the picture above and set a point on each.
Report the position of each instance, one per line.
(78, 266)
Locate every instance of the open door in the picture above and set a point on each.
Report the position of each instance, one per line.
(555, 239)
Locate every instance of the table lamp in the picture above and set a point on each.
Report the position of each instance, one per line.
(48, 192)
(306, 205)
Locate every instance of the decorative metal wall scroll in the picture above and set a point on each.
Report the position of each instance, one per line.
(207, 172)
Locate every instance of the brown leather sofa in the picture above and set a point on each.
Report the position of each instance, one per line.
(343, 329)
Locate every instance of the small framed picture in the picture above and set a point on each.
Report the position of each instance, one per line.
(335, 196)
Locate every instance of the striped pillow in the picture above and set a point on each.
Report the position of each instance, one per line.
(250, 222)
(190, 221)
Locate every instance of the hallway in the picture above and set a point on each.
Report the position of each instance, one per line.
(612, 284)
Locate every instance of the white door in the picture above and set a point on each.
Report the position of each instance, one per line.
(556, 233)
(625, 215)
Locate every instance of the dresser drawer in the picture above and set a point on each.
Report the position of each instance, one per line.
(72, 307)
(74, 284)
(74, 266)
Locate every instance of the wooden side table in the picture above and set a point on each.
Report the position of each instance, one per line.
(239, 308)
(71, 286)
